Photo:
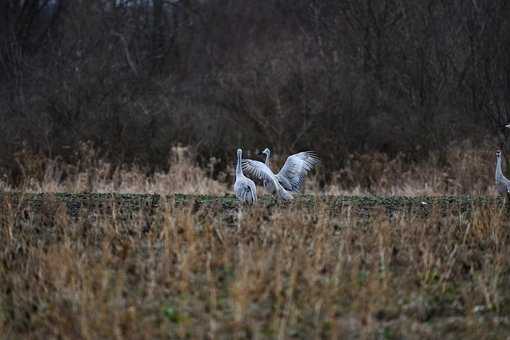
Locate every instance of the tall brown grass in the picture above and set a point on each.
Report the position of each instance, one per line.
(92, 174)
(464, 169)
(266, 273)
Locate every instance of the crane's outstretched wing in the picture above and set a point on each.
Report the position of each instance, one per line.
(295, 169)
(258, 170)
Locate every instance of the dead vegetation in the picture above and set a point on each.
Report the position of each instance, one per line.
(262, 272)
(259, 273)
(93, 174)
(465, 170)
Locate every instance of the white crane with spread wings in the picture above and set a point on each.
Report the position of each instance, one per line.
(262, 172)
(293, 172)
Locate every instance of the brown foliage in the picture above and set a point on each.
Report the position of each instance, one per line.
(464, 170)
(281, 272)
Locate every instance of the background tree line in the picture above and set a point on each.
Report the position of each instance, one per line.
(337, 76)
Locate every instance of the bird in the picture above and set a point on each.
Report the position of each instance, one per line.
(502, 183)
(292, 174)
(262, 172)
(244, 188)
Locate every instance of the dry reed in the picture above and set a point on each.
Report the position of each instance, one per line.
(268, 273)
(464, 169)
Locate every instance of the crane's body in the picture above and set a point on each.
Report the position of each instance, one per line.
(291, 176)
(244, 188)
(502, 183)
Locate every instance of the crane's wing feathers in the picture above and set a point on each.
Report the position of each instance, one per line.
(245, 190)
(247, 194)
(296, 167)
(253, 191)
(258, 170)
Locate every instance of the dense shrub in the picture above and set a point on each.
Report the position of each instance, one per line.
(136, 77)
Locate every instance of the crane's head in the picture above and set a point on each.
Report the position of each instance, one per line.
(266, 152)
(239, 153)
(498, 153)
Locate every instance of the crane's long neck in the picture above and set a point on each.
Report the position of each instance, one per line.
(499, 172)
(239, 169)
(267, 159)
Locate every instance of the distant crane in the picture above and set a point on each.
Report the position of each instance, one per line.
(244, 188)
(293, 172)
(262, 172)
(502, 183)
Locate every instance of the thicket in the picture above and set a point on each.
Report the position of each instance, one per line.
(136, 77)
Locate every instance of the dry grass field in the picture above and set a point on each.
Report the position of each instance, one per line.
(119, 125)
(269, 271)
(465, 170)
